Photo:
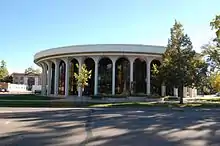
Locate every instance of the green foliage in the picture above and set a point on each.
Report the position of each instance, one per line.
(201, 76)
(32, 70)
(177, 59)
(83, 76)
(181, 65)
(215, 24)
(212, 54)
(3, 70)
(215, 81)
(212, 50)
(156, 81)
(8, 79)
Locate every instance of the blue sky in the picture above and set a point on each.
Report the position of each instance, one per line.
(28, 26)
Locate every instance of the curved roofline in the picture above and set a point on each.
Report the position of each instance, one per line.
(86, 45)
(77, 49)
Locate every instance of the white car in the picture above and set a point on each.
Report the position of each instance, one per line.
(2, 90)
(217, 94)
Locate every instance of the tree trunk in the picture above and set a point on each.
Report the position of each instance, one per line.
(181, 94)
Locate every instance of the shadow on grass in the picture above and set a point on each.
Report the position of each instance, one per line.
(26, 97)
(110, 127)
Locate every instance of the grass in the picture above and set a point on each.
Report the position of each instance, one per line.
(43, 101)
(211, 99)
(155, 104)
(25, 97)
(46, 103)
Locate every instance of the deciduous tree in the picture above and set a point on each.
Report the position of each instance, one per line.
(215, 24)
(212, 50)
(8, 79)
(215, 81)
(3, 70)
(32, 70)
(82, 77)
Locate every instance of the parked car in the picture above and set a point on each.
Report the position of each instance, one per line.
(2, 90)
(218, 94)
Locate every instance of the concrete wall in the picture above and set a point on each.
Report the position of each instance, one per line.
(36, 88)
(17, 88)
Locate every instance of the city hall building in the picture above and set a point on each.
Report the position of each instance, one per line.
(116, 68)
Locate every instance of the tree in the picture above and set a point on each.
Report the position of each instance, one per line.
(3, 70)
(215, 81)
(212, 50)
(212, 54)
(202, 75)
(181, 65)
(82, 78)
(32, 70)
(215, 24)
(8, 79)
(156, 80)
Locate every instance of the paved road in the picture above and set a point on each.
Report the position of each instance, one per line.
(110, 127)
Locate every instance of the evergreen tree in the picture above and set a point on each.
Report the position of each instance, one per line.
(181, 65)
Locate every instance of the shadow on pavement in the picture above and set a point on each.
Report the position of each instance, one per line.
(111, 127)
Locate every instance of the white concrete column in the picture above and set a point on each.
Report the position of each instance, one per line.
(195, 92)
(56, 78)
(66, 60)
(96, 76)
(41, 76)
(190, 92)
(163, 90)
(175, 90)
(42, 80)
(45, 80)
(184, 92)
(113, 75)
(148, 76)
(36, 81)
(131, 72)
(26, 80)
(44, 73)
(131, 69)
(80, 60)
(49, 78)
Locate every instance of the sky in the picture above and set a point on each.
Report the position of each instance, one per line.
(28, 26)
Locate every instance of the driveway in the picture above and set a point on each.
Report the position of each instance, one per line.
(109, 127)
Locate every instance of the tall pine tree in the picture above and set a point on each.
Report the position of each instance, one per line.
(181, 65)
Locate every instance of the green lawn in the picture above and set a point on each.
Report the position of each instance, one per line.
(211, 99)
(155, 104)
(43, 101)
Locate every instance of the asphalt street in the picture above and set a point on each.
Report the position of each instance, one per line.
(108, 127)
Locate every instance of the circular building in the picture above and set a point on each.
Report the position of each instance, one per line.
(116, 68)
